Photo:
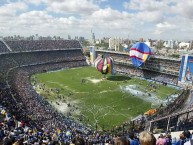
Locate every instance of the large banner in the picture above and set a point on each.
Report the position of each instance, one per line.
(186, 71)
(92, 54)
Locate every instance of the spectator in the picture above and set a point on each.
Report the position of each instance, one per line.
(187, 135)
(132, 139)
(174, 141)
(146, 138)
(181, 140)
(78, 141)
(161, 140)
(121, 141)
(168, 139)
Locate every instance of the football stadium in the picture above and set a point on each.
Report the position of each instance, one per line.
(51, 94)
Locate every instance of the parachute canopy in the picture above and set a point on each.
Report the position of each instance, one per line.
(104, 64)
(139, 54)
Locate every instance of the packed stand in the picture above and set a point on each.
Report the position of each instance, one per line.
(42, 45)
(159, 77)
(24, 89)
(165, 66)
(33, 58)
(9, 61)
(22, 132)
(3, 47)
(14, 132)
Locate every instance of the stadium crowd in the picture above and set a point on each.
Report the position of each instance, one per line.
(3, 47)
(13, 132)
(158, 65)
(157, 76)
(10, 61)
(39, 45)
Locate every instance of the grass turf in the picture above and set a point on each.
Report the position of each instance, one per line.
(103, 102)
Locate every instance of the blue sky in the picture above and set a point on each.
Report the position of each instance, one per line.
(150, 19)
(114, 4)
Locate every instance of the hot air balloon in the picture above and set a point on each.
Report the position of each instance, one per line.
(104, 64)
(139, 54)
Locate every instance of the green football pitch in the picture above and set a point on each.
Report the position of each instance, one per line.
(108, 101)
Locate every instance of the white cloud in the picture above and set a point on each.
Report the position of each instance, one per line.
(158, 32)
(184, 9)
(147, 5)
(10, 9)
(35, 2)
(69, 21)
(100, 1)
(110, 20)
(107, 14)
(147, 16)
(35, 18)
(140, 18)
(71, 6)
(165, 25)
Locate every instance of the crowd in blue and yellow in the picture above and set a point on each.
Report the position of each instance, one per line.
(14, 132)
